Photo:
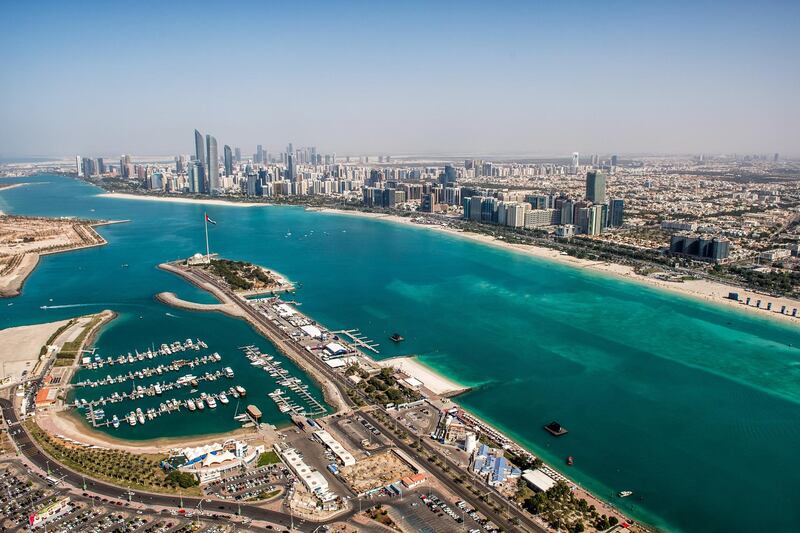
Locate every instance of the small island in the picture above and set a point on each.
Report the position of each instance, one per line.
(242, 277)
(24, 239)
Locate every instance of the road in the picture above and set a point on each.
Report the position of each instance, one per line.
(279, 337)
(45, 463)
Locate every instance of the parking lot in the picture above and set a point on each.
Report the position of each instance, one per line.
(421, 420)
(23, 493)
(252, 485)
(430, 512)
(359, 435)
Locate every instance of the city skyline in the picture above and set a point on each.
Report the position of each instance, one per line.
(358, 78)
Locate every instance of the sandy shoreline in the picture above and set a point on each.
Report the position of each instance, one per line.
(430, 378)
(19, 347)
(178, 200)
(709, 291)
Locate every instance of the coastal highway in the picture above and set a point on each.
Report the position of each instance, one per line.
(280, 339)
(32, 452)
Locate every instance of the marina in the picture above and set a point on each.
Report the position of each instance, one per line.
(151, 371)
(95, 361)
(282, 377)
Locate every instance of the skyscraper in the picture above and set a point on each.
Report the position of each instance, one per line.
(575, 162)
(238, 154)
(212, 164)
(616, 210)
(614, 160)
(291, 168)
(78, 166)
(199, 148)
(228, 158)
(596, 187)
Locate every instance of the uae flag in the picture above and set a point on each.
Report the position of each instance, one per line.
(208, 219)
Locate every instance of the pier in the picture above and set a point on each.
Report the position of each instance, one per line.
(151, 371)
(359, 340)
(284, 378)
(96, 362)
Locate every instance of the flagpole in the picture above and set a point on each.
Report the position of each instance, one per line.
(208, 251)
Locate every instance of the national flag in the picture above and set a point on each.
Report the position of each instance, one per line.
(208, 219)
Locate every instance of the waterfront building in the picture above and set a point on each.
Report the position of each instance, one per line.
(597, 219)
(700, 246)
(537, 218)
(596, 187)
(616, 210)
(199, 148)
(196, 177)
(428, 204)
(491, 464)
(228, 160)
(212, 165)
(78, 166)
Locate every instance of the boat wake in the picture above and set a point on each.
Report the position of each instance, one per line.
(171, 315)
(65, 306)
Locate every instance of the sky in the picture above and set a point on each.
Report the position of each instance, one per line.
(380, 77)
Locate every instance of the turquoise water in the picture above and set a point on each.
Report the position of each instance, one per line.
(694, 407)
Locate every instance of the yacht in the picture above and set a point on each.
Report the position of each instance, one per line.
(228, 372)
(115, 422)
(223, 398)
(212, 403)
(624, 493)
(190, 404)
(241, 390)
(200, 405)
(132, 419)
(157, 388)
(140, 415)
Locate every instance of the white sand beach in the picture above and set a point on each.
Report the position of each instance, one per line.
(431, 380)
(709, 291)
(178, 200)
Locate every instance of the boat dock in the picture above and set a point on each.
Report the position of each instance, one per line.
(97, 417)
(149, 372)
(165, 349)
(359, 339)
(283, 377)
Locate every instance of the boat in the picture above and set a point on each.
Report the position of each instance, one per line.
(241, 390)
(228, 372)
(140, 415)
(190, 404)
(396, 337)
(212, 403)
(194, 383)
(115, 421)
(132, 419)
(570, 461)
(200, 405)
(223, 398)
(555, 429)
(624, 493)
(157, 388)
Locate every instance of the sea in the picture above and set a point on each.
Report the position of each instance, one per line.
(694, 407)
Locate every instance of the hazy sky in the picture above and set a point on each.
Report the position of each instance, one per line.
(397, 77)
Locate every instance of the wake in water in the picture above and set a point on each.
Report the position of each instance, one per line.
(171, 315)
(66, 306)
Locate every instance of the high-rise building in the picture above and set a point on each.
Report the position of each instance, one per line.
(428, 204)
(212, 165)
(125, 166)
(196, 177)
(101, 166)
(228, 160)
(291, 167)
(616, 209)
(598, 215)
(199, 148)
(596, 187)
(238, 154)
(575, 162)
(614, 160)
(78, 166)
